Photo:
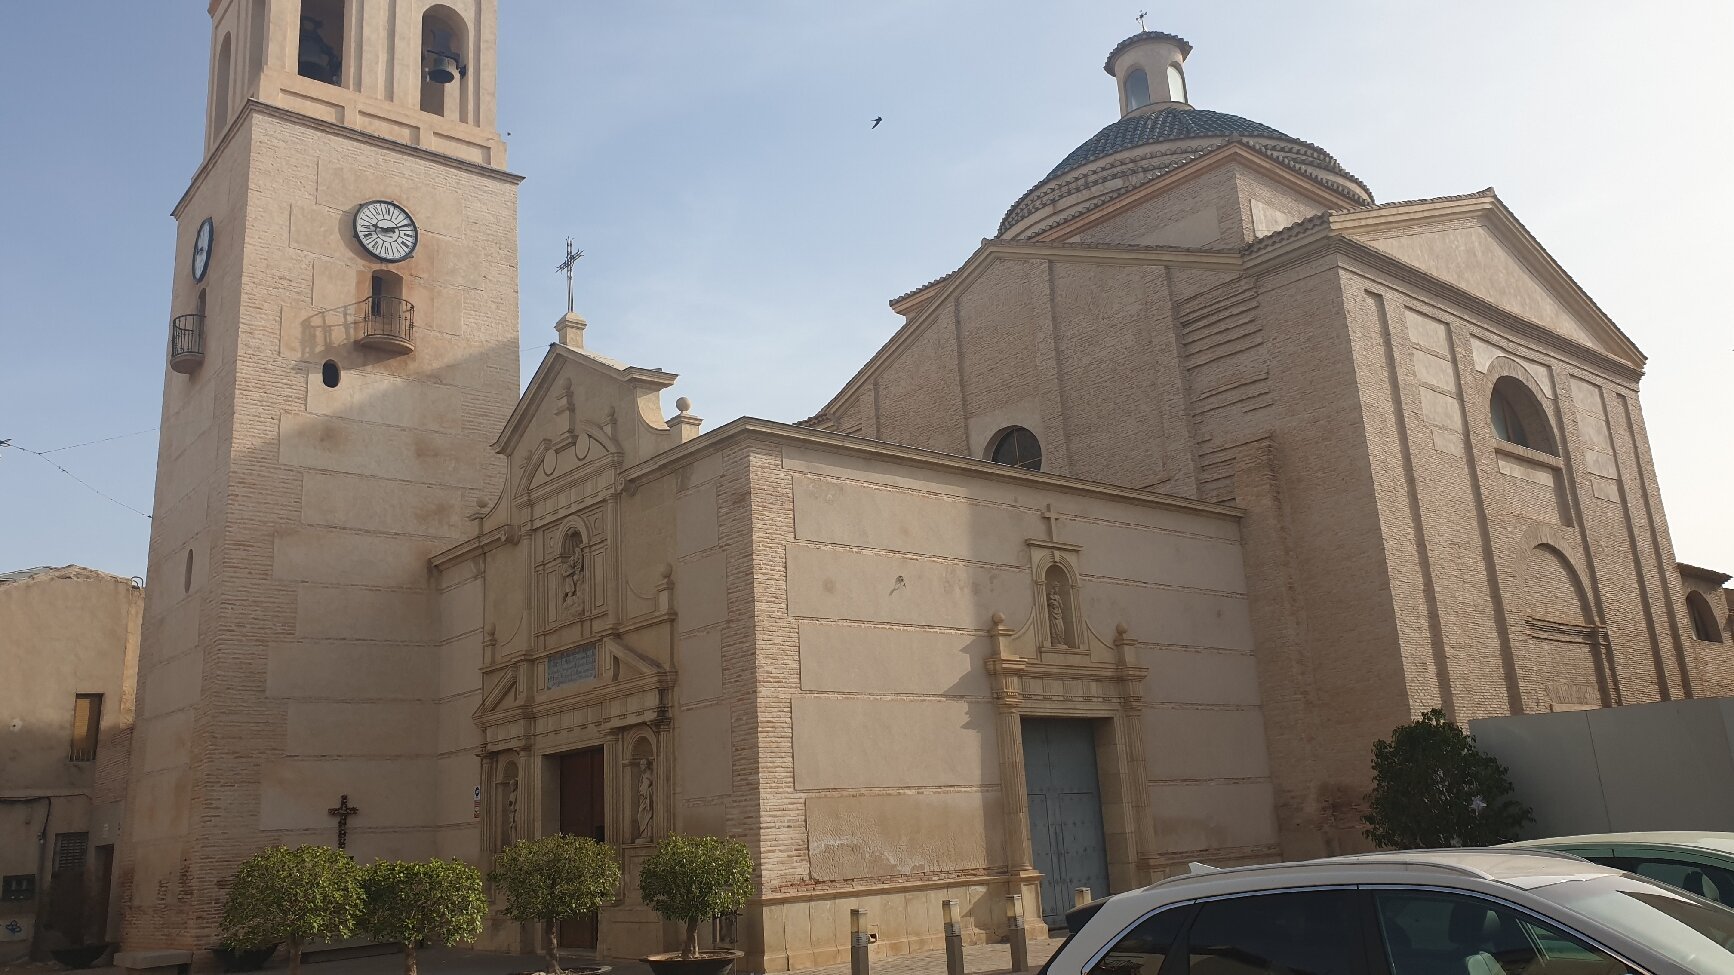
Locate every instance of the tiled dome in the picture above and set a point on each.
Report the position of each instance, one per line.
(1164, 126)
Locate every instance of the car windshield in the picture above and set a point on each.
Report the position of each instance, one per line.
(1685, 929)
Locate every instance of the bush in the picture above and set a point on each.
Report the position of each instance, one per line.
(1433, 789)
(283, 894)
(553, 878)
(439, 901)
(695, 878)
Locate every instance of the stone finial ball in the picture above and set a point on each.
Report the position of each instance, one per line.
(683, 404)
(1120, 630)
(999, 619)
(667, 570)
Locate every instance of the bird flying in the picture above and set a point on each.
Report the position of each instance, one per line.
(877, 121)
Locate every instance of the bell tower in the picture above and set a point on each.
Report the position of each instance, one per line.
(341, 350)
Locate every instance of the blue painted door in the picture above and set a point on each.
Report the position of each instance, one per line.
(1065, 811)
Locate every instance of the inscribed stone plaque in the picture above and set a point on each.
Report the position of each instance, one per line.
(571, 666)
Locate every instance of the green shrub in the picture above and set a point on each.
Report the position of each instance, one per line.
(553, 878)
(695, 878)
(290, 894)
(437, 901)
(1433, 789)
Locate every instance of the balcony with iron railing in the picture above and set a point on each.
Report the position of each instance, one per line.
(384, 322)
(186, 343)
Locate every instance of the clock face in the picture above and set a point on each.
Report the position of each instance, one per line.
(385, 230)
(202, 250)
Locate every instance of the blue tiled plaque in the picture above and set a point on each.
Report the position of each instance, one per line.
(572, 666)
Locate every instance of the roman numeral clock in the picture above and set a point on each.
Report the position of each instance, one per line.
(385, 230)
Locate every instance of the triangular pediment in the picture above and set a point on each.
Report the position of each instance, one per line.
(1477, 245)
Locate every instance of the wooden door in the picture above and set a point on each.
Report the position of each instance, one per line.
(1065, 797)
(583, 812)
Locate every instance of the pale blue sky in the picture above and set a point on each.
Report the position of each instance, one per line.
(744, 227)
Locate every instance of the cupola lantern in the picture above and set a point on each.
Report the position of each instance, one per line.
(1150, 69)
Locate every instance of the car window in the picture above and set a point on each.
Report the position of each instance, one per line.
(1143, 949)
(1706, 880)
(1428, 933)
(1697, 934)
(1314, 932)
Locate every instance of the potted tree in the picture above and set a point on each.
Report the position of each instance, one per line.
(692, 879)
(436, 902)
(289, 894)
(555, 877)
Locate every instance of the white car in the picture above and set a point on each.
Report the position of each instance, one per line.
(1450, 912)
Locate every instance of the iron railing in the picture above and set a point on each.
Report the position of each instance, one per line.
(186, 342)
(384, 320)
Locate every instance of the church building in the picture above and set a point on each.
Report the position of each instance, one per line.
(1198, 477)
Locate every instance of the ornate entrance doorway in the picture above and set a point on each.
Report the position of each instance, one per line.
(583, 812)
(1069, 845)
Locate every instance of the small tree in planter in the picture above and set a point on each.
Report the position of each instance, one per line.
(439, 901)
(553, 878)
(291, 894)
(695, 878)
(1432, 789)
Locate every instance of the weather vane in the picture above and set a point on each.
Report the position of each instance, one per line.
(1141, 15)
(572, 256)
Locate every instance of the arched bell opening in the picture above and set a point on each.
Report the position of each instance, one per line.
(319, 53)
(444, 41)
(220, 87)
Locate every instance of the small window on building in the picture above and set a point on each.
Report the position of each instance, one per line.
(70, 850)
(86, 719)
(1519, 418)
(1137, 89)
(331, 373)
(18, 887)
(187, 573)
(320, 51)
(1017, 447)
(1176, 83)
(1704, 625)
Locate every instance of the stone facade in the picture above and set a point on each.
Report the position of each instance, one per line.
(75, 633)
(1279, 468)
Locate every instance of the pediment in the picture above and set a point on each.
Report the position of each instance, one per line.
(1486, 252)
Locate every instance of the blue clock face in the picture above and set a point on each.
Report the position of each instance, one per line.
(202, 250)
(385, 230)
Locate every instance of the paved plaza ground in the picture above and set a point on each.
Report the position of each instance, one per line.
(977, 960)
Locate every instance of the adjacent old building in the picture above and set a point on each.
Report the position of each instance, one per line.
(70, 650)
(1197, 478)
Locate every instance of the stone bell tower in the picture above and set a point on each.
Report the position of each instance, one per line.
(341, 351)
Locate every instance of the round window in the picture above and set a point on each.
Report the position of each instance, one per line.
(1017, 447)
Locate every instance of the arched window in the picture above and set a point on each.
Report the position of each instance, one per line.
(1176, 83)
(331, 373)
(1704, 625)
(1017, 447)
(200, 305)
(1519, 418)
(220, 89)
(320, 51)
(1137, 89)
(444, 42)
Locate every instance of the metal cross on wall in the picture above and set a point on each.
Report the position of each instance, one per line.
(343, 810)
(572, 257)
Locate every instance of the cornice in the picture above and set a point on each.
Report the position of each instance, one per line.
(253, 106)
(770, 430)
(480, 545)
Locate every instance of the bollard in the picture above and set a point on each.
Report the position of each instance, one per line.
(953, 940)
(1014, 920)
(1080, 896)
(859, 938)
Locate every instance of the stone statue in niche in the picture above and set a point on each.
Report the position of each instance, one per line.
(644, 819)
(1056, 594)
(571, 566)
(509, 819)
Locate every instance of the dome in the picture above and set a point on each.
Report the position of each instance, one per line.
(1159, 131)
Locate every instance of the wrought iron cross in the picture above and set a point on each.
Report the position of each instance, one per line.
(343, 810)
(1141, 15)
(572, 257)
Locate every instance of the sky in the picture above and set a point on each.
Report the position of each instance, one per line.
(744, 226)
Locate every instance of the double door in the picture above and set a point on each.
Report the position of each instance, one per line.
(583, 812)
(1065, 796)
